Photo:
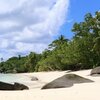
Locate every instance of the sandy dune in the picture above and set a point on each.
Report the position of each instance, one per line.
(84, 91)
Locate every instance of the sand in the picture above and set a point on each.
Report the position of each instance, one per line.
(84, 91)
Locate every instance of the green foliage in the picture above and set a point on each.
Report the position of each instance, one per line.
(54, 59)
(81, 52)
(49, 64)
(32, 60)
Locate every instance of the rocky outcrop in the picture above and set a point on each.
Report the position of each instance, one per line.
(67, 80)
(95, 71)
(15, 86)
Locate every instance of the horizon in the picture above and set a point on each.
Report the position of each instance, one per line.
(29, 26)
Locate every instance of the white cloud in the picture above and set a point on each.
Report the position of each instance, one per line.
(7, 24)
(8, 6)
(29, 25)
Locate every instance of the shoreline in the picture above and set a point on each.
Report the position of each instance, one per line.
(84, 91)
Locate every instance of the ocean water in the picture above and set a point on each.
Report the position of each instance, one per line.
(11, 78)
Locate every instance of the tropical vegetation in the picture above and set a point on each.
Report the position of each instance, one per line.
(80, 52)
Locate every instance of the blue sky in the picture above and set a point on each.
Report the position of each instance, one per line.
(30, 25)
(76, 12)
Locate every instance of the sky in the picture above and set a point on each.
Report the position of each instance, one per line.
(30, 25)
(76, 12)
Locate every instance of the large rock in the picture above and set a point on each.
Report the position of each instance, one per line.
(95, 71)
(66, 81)
(6, 86)
(15, 86)
(18, 86)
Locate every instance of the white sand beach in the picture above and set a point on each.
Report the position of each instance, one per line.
(83, 91)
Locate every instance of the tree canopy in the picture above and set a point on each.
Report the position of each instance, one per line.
(81, 52)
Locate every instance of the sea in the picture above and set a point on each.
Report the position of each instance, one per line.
(11, 78)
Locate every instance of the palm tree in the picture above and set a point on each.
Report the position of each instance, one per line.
(58, 42)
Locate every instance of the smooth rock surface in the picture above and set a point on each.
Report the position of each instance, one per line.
(15, 86)
(67, 80)
(95, 71)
